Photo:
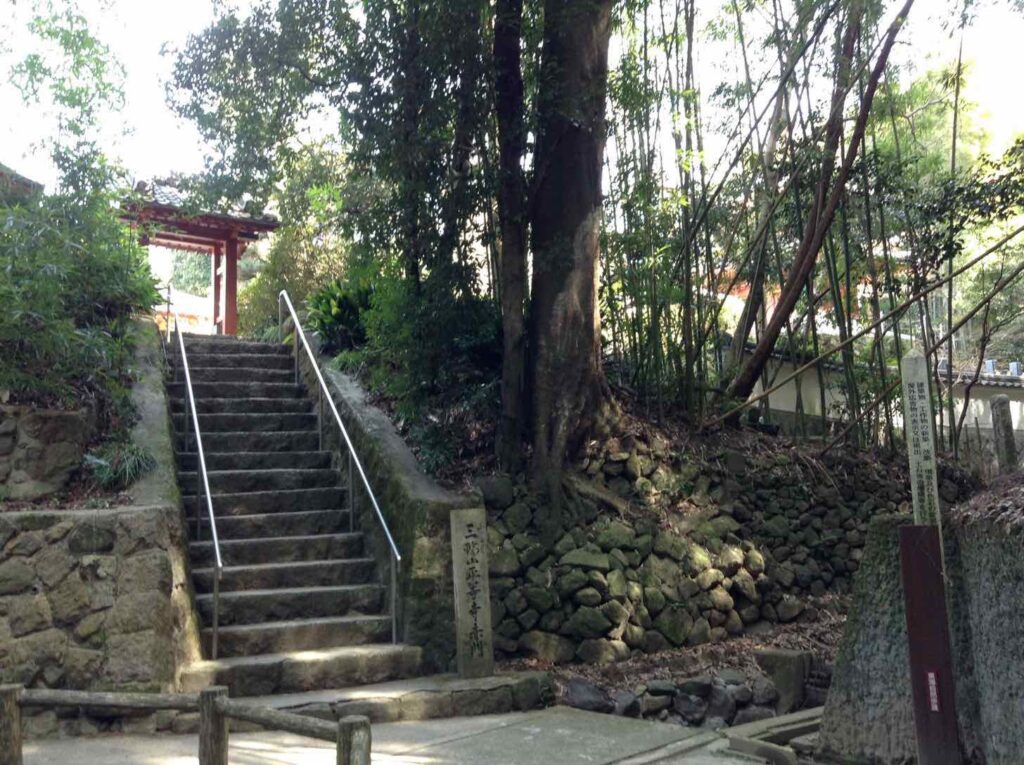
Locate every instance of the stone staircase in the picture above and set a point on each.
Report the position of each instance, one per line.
(303, 605)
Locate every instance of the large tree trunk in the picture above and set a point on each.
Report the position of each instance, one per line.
(567, 384)
(508, 96)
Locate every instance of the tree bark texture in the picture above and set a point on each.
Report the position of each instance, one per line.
(567, 384)
(508, 97)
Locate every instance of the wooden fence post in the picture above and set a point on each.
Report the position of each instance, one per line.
(354, 740)
(213, 727)
(10, 725)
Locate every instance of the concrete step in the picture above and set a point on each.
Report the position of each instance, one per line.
(214, 344)
(254, 606)
(237, 552)
(240, 374)
(254, 441)
(187, 461)
(420, 698)
(298, 405)
(259, 422)
(258, 360)
(258, 502)
(266, 576)
(298, 635)
(217, 390)
(277, 479)
(300, 671)
(275, 524)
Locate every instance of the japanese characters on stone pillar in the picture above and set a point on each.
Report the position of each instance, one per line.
(918, 418)
(475, 652)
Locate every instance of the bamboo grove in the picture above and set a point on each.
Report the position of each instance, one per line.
(778, 187)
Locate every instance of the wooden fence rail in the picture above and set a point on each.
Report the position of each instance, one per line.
(351, 735)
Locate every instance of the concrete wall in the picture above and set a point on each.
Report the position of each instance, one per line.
(868, 715)
(806, 389)
(415, 507)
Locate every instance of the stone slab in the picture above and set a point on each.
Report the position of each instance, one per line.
(423, 698)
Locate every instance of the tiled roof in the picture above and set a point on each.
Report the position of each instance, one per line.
(16, 182)
(166, 195)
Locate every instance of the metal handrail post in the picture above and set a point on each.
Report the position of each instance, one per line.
(354, 462)
(203, 481)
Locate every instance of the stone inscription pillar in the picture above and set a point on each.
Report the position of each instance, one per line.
(474, 649)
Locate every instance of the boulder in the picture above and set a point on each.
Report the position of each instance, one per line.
(670, 545)
(517, 517)
(696, 686)
(721, 600)
(789, 608)
(497, 490)
(721, 704)
(570, 582)
(503, 562)
(542, 599)
(547, 647)
(675, 623)
(584, 695)
(617, 585)
(709, 578)
(730, 560)
(587, 622)
(753, 713)
(601, 651)
(588, 596)
(763, 691)
(586, 559)
(691, 708)
(700, 634)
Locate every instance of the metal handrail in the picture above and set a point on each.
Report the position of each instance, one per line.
(353, 458)
(203, 487)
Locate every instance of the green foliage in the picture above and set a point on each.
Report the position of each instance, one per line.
(335, 314)
(191, 273)
(310, 247)
(72, 278)
(118, 464)
(72, 274)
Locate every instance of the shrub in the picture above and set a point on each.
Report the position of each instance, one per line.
(72, 276)
(118, 464)
(335, 314)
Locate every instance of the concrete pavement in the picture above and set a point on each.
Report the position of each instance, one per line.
(555, 736)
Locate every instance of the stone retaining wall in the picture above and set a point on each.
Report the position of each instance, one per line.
(100, 599)
(40, 449)
(85, 602)
(725, 544)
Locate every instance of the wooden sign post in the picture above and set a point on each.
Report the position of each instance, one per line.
(924, 590)
(474, 644)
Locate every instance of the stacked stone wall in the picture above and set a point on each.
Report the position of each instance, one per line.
(40, 449)
(703, 550)
(85, 603)
(100, 599)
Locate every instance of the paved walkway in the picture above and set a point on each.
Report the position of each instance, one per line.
(555, 736)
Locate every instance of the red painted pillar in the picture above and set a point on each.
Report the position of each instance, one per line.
(217, 261)
(231, 286)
